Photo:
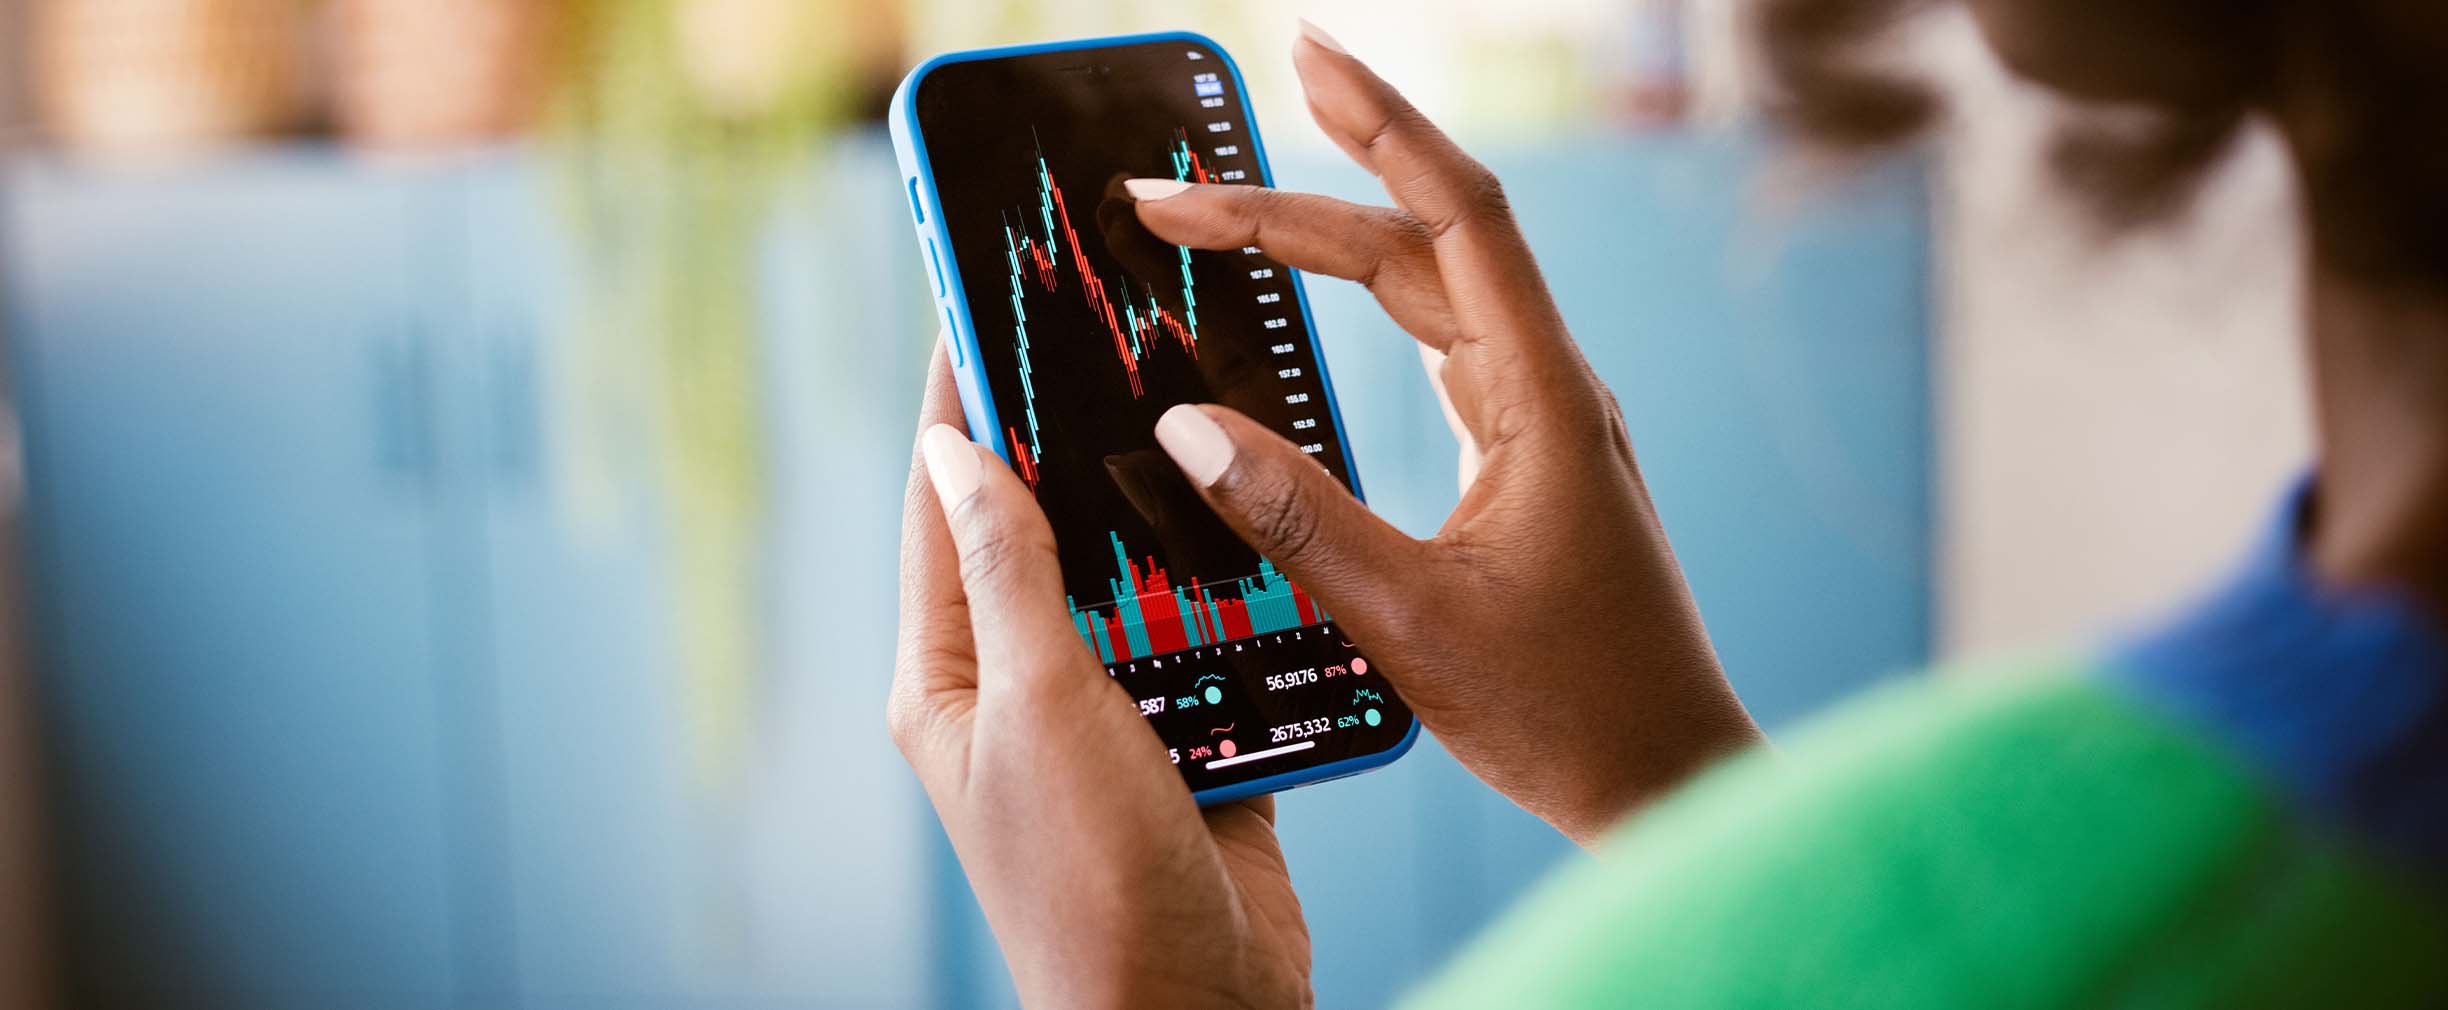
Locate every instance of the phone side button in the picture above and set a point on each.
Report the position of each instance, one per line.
(917, 207)
(936, 261)
(952, 337)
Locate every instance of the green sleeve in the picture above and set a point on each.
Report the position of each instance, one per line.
(2007, 841)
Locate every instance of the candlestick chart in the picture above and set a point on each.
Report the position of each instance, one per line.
(1151, 616)
(1041, 245)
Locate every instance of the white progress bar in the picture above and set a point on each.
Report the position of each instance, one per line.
(1259, 755)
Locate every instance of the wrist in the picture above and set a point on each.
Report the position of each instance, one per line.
(1116, 973)
(1654, 764)
(1219, 992)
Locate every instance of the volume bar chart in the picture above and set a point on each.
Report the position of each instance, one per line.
(1150, 616)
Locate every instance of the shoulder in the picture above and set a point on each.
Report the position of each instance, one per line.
(2017, 838)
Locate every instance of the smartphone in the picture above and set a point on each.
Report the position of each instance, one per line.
(1072, 329)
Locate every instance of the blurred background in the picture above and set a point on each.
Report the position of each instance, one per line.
(450, 457)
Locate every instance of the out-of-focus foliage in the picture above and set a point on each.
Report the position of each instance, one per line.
(677, 126)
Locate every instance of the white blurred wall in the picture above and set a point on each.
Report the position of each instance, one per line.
(2115, 419)
(2115, 415)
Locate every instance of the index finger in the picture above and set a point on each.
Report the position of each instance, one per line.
(1385, 250)
(1490, 279)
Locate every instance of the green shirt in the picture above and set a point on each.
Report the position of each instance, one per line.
(2034, 839)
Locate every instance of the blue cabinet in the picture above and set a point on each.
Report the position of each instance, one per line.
(355, 605)
(579, 742)
(239, 581)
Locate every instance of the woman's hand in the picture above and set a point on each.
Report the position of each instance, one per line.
(1105, 884)
(1545, 634)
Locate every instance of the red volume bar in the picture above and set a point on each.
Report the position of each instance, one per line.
(1151, 617)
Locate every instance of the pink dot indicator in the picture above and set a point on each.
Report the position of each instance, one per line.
(1359, 666)
(1226, 748)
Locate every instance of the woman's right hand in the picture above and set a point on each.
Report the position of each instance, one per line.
(1545, 633)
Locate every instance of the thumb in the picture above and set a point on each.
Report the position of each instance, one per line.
(1010, 577)
(1289, 508)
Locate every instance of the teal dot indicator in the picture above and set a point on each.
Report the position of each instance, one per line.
(1372, 717)
(1215, 695)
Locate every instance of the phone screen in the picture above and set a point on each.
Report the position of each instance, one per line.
(1088, 328)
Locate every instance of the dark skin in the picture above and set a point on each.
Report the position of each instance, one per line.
(2380, 369)
(1108, 887)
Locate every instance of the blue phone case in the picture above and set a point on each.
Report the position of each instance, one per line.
(977, 405)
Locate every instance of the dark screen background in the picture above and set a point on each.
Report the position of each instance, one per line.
(1098, 117)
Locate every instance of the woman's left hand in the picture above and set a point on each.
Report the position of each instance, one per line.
(1105, 884)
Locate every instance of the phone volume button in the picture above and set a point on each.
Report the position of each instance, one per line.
(936, 261)
(952, 338)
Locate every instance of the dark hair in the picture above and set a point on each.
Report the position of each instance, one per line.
(2158, 91)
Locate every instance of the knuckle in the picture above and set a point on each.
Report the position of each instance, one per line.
(1254, 209)
(1508, 420)
(1593, 419)
(912, 709)
(1481, 189)
(1479, 196)
(987, 557)
(1610, 414)
(1254, 203)
(906, 721)
(1412, 236)
(1282, 515)
(1397, 245)
(1604, 409)
(1613, 429)
(995, 553)
(1393, 122)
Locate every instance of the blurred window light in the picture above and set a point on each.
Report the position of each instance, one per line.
(163, 75)
(1522, 70)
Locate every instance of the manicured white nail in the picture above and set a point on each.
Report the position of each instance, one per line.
(1196, 442)
(1318, 35)
(1152, 190)
(952, 465)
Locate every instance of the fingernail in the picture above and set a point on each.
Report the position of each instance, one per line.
(1318, 35)
(952, 464)
(1196, 442)
(1152, 190)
